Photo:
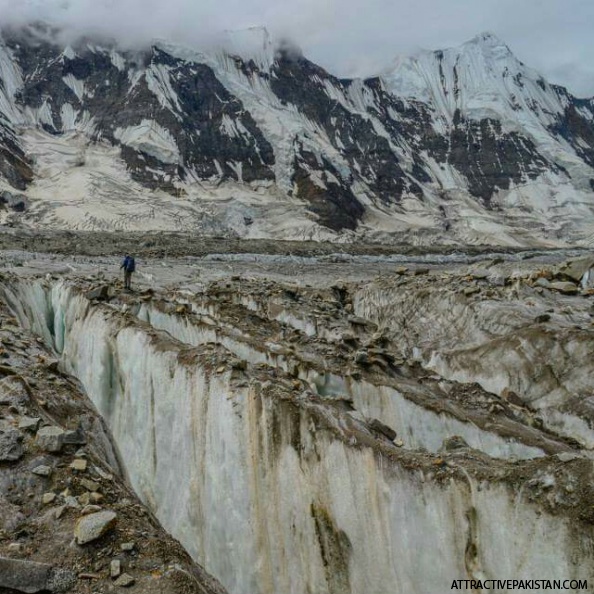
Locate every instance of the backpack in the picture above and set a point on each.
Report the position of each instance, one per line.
(130, 265)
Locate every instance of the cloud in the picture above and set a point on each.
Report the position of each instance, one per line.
(348, 37)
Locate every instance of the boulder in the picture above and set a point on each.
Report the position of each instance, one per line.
(24, 576)
(94, 526)
(542, 282)
(453, 443)
(42, 470)
(115, 568)
(575, 270)
(566, 288)
(50, 439)
(384, 430)
(125, 581)
(76, 437)
(99, 294)
(471, 291)
(29, 423)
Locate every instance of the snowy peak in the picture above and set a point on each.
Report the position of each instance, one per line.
(479, 79)
(488, 42)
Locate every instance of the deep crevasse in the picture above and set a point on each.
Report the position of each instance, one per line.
(268, 500)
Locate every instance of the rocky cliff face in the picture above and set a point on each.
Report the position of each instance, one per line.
(462, 145)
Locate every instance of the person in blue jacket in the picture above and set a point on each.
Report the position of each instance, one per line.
(129, 267)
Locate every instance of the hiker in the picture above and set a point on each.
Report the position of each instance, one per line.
(129, 267)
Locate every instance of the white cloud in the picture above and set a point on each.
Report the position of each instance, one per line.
(348, 37)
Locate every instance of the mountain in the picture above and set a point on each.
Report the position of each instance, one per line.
(461, 146)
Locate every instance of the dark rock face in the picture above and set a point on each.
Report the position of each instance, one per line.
(336, 206)
(489, 158)
(302, 84)
(575, 127)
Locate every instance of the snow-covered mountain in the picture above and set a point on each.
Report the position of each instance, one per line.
(464, 145)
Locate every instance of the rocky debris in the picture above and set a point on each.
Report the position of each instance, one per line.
(362, 358)
(303, 329)
(89, 485)
(94, 526)
(43, 501)
(50, 439)
(16, 202)
(542, 282)
(25, 576)
(11, 448)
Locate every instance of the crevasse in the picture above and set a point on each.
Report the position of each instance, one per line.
(275, 494)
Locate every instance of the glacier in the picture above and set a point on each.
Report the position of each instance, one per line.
(276, 489)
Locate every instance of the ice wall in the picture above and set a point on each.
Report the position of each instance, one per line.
(278, 493)
(417, 426)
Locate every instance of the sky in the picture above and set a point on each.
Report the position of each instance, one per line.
(347, 37)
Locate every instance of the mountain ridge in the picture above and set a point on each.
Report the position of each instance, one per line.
(455, 145)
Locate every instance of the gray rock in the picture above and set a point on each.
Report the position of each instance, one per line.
(50, 439)
(576, 269)
(76, 437)
(542, 282)
(24, 576)
(29, 423)
(10, 443)
(125, 581)
(358, 321)
(115, 568)
(90, 485)
(565, 288)
(568, 456)
(42, 470)
(16, 202)
(127, 546)
(94, 526)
